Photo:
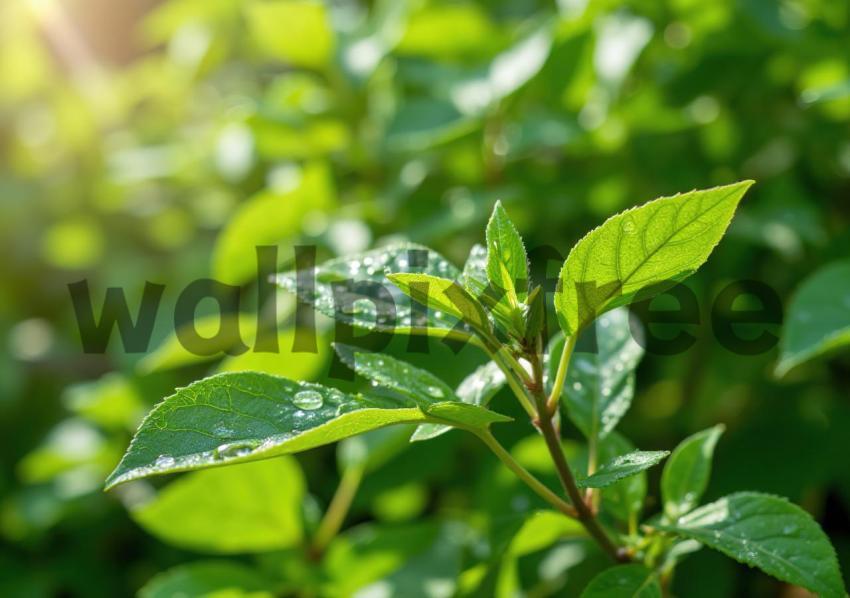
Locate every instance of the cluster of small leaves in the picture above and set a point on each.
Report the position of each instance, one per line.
(243, 417)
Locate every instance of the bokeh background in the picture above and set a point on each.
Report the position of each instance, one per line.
(160, 141)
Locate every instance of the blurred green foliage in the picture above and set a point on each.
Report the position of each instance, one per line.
(162, 141)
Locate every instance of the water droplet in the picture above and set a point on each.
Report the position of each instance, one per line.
(789, 529)
(307, 399)
(164, 461)
(436, 392)
(629, 226)
(234, 449)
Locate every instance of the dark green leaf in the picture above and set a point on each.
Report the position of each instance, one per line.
(686, 472)
(476, 389)
(818, 318)
(245, 416)
(770, 533)
(600, 386)
(364, 296)
(420, 385)
(624, 581)
(207, 579)
(622, 467)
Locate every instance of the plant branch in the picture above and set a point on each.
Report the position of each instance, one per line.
(585, 515)
(337, 510)
(539, 488)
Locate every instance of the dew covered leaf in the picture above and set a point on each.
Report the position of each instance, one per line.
(476, 389)
(246, 416)
(646, 248)
(818, 318)
(600, 381)
(208, 578)
(769, 533)
(256, 507)
(355, 290)
(624, 581)
(420, 385)
(686, 473)
(622, 467)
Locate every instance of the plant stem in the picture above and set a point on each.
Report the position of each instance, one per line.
(514, 380)
(337, 510)
(585, 515)
(546, 426)
(541, 489)
(561, 376)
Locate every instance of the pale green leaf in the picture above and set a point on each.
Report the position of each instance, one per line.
(476, 389)
(600, 384)
(624, 581)
(256, 507)
(267, 219)
(446, 297)
(205, 579)
(686, 473)
(818, 318)
(507, 262)
(769, 533)
(622, 467)
(296, 365)
(642, 249)
(297, 32)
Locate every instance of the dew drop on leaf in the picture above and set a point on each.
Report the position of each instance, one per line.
(164, 461)
(307, 399)
(435, 392)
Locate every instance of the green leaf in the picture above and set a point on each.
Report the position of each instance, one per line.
(622, 467)
(642, 249)
(624, 581)
(361, 281)
(476, 389)
(769, 533)
(818, 318)
(255, 507)
(245, 416)
(507, 262)
(268, 218)
(445, 296)
(600, 385)
(418, 384)
(207, 579)
(687, 471)
(295, 31)
(624, 499)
